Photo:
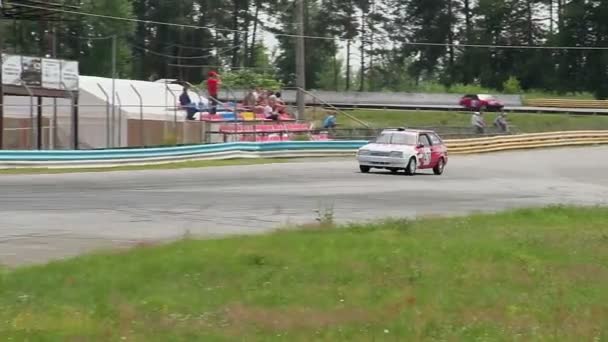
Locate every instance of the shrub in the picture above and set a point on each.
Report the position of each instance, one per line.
(512, 86)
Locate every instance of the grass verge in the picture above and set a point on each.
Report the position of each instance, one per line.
(525, 122)
(535, 274)
(168, 166)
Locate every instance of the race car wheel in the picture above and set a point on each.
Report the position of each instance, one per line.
(364, 168)
(438, 169)
(410, 170)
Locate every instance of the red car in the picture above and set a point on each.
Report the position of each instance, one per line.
(481, 102)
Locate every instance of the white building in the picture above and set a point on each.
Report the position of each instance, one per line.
(98, 128)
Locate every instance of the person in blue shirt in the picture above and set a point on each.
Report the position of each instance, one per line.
(330, 121)
(186, 103)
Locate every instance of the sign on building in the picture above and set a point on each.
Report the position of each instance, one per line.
(39, 72)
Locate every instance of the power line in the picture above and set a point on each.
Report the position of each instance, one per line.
(127, 19)
(93, 38)
(184, 57)
(188, 47)
(216, 66)
(197, 27)
(141, 48)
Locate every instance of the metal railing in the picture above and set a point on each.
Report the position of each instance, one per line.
(257, 134)
(326, 104)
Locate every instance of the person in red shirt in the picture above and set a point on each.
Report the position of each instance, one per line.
(213, 84)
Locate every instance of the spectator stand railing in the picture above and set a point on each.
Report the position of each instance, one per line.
(265, 132)
(326, 105)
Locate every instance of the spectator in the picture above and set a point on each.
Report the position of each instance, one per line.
(280, 104)
(330, 122)
(186, 103)
(250, 100)
(213, 84)
(501, 123)
(478, 123)
(262, 96)
(269, 113)
(275, 103)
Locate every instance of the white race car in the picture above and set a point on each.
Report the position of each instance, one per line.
(404, 149)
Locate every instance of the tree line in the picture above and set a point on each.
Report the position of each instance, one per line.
(375, 45)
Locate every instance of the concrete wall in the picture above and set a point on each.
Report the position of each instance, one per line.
(157, 132)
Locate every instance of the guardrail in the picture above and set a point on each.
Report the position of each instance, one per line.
(142, 156)
(567, 103)
(96, 158)
(526, 141)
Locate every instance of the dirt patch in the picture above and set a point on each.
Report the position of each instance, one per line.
(582, 272)
(240, 316)
(584, 325)
(514, 319)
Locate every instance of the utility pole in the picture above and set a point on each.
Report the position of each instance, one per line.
(53, 125)
(1, 89)
(113, 88)
(300, 59)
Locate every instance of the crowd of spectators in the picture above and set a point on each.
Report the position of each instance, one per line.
(267, 102)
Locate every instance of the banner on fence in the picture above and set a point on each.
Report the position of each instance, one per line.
(39, 72)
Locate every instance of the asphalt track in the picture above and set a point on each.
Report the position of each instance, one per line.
(43, 217)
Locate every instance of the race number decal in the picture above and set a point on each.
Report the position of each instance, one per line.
(425, 156)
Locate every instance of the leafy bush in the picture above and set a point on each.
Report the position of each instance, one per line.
(512, 86)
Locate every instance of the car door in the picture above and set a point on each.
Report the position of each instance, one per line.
(437, 148)
(468, 101)
(425, 151)
(475, 102)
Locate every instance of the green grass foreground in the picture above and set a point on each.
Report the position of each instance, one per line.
(524, 122)
(167, 166)
(536, 274)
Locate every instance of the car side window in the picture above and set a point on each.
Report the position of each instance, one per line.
(424, 140)
(435, 139)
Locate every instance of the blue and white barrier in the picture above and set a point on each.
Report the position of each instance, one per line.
(20, 158)
(286, 149)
